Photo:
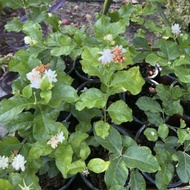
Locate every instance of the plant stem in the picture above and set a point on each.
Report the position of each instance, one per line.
(106, 6)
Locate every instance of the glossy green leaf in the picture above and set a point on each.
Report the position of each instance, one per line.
(169, 49)
(76, 138)
(8, 144)
(117, 173)
(10, 108)
(141, 158)
(113, 142)
(148, 104)
(77, 167)
(182, 72)
(46, 95)
(39, 149)
(27, 91)
(183, 135)
(151, 134)
(14, 25)
(183, 168)
(120, 112)
(102, 129)
(117, 187)
(163, 131)
(60, 44)
(84, 150)
(63, 158)
(153, 59)
(137, 181)
(130, 80)
(98, 165)
(93, 97)
(6, 185)
(164, 176)
(33, 30)
(23, 121)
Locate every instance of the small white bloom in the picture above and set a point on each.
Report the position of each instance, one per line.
(35, 78)
(55, 139)
(108, 37)
(19, 162)
(4, 161)
(60, 137)
(51, 75)
(176, 29)
(27, 40)
(106, 57)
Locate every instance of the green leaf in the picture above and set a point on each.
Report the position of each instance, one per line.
(98, 165)
(76, 138)
(27, 91)
(102, 129)
(169, 49)
(13, 4)
(45, 85)
(182, 72)
(21, 122)
(9, 144)
(10, 108)
(148, 104)
(63, 158)
(33, 30)
(141, 158)
(6, 185)
(60, 44)
(154, 118)
(77, 167)
(183, 168)
(84, 150)
(14, 25)
(153, 59)
(93, 97)
(120, 112)
(164, 176)
(46, 95)
(112, 142)
(140, 42)
(39, 149)
(151, 134)
(137, 181)
(124, 80)
(117, 173)
(183, 135)
(163, 130)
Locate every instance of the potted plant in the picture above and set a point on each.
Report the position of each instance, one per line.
(54, 122)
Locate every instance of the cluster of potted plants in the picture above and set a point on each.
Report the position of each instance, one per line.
(94, 104)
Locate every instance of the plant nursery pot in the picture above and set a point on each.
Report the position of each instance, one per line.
(55, 183)
(141, 139)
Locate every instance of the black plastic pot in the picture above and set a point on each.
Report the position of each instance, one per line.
(147, 176)
(68, 183)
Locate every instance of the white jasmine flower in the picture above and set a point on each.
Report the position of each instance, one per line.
(27, 40)
(106, 57)
(51, 75)
(56, 139)
(176, 29)
(35, 78)
(53, 141)
(4, 161)
(60, 137)
(38, 74)
(19, 162)
(25, 187)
